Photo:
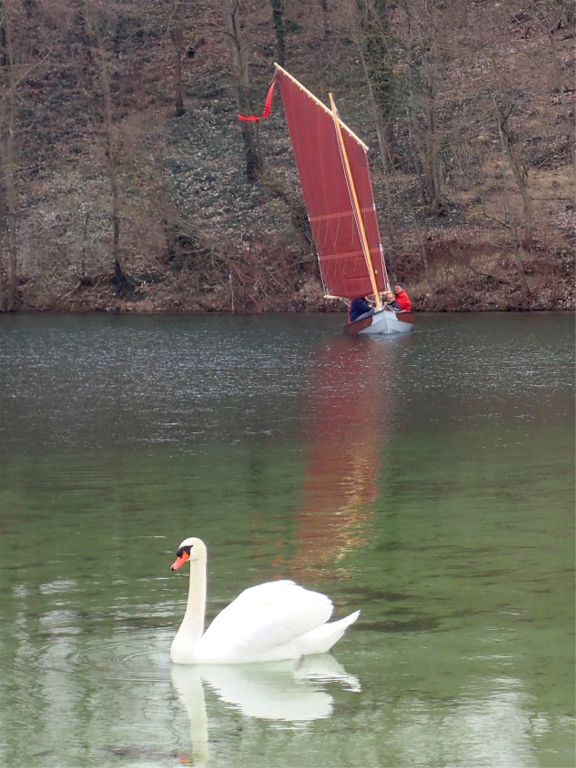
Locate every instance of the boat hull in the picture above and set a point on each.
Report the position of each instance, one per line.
(383, 321)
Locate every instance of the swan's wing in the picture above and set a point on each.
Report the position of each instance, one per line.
(265, 617)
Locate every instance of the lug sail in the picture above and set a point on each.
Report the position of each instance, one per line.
(333, 208)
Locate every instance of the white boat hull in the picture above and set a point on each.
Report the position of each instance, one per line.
(389, 322)
(383, 321)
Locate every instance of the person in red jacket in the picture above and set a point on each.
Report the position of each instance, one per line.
(402, 297)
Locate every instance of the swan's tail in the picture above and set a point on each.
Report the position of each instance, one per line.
(321, 639)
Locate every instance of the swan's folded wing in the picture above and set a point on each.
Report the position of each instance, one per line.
(265, 617)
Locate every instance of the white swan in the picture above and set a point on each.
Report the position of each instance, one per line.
(271, 622)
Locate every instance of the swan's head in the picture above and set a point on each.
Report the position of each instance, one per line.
(190, 549)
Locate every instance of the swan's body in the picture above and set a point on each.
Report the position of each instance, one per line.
(271, 622)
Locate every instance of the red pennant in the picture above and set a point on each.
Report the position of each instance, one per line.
(267, 106)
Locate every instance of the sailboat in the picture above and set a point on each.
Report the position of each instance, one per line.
(334, 176)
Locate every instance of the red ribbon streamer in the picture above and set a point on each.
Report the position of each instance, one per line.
(267, 106)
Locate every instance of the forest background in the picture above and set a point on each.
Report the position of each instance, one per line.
(129, 184)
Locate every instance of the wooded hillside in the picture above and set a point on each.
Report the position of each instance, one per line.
(129, 184)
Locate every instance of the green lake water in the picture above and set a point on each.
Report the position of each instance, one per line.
(426, 480)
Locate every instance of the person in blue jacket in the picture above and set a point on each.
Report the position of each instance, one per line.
(391, 302)
(358, 308)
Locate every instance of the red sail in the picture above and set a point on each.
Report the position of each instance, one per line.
(326, 194)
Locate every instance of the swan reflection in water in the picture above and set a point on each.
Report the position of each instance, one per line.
(289, 691)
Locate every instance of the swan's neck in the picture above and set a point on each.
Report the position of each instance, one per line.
(193, 621)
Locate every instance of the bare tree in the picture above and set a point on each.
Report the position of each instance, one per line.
(95, 21)
(510, 221)
(7, 147)
(278, 21)
(238, 60)
(423, 52)
(519, 170)
(325, 19)
(377, 51)
(177, 36)
(557, 19)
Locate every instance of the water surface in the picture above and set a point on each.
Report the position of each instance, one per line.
(427, 480)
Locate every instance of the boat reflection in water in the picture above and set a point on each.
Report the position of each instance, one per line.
(349, 409)
(289, 691)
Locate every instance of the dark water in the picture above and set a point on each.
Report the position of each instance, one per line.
(427, 480)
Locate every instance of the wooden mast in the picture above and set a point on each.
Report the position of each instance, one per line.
(355, 205)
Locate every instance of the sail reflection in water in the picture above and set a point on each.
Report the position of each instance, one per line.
(349, 408)
(286, 691)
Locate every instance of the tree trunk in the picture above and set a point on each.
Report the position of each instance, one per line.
(520, 176)
(278, 20)
(177, 36)
(374, 43)
(120, 280)
(517, 247)
(385, 156)
(111, 160)
(8, 157)
(422, 80)
(254, 162)
(8, 163)
(564, 101)
(434, 166)
(325, 18)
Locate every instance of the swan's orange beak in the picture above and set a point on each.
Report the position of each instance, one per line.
(179, 561)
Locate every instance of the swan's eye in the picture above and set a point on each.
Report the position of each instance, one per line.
(181, 551)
